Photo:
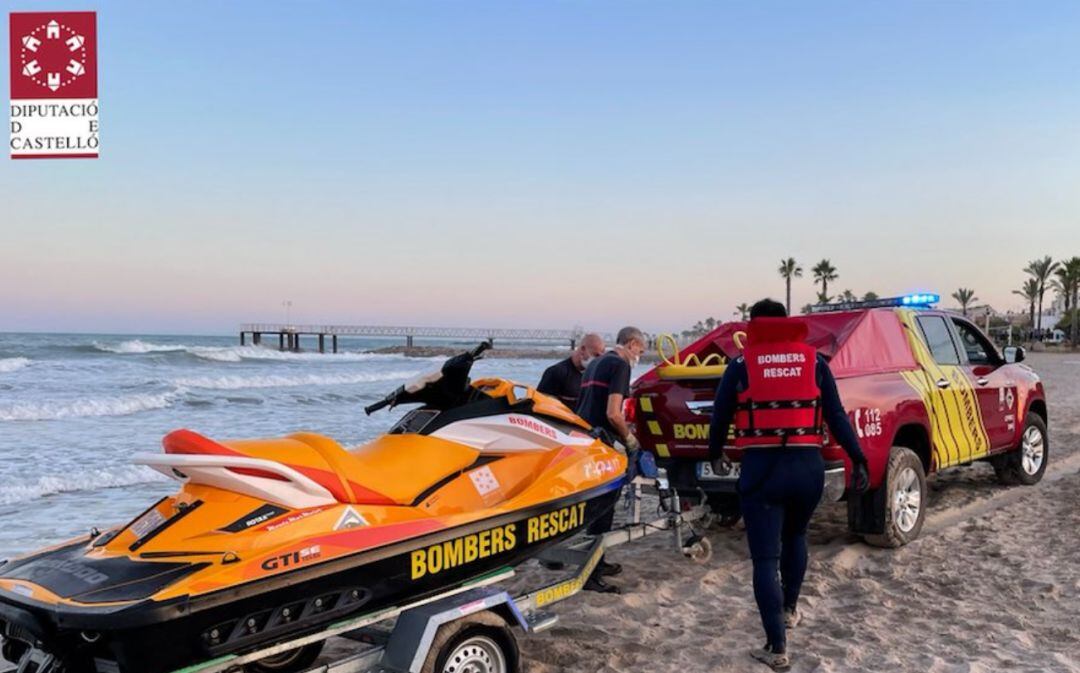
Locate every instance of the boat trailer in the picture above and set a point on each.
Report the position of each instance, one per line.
(467, 629)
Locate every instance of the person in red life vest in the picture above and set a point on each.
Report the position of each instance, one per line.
(780, 394)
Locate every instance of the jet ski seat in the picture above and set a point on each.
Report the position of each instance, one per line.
(391, 470)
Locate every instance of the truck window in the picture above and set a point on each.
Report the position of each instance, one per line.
(938, 337)
(979, 350)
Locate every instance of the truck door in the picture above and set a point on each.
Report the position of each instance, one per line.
(959, 435)
(984, 367)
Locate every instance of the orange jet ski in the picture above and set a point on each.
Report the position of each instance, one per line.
(270, 538)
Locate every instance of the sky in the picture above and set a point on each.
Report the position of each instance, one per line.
(544, 164)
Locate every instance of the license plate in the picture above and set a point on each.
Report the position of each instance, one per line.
(705, 471)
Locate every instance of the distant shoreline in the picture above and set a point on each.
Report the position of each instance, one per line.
(499, 353)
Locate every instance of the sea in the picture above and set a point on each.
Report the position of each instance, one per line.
(76, 409)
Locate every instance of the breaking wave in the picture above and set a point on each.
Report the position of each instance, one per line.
(234, 353)
(238, 353)
(109, 406)
(89, 480)
(243, 382)
(137, 346)
(13, 364)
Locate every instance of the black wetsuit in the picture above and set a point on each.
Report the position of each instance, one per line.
(562, 380)
(779, 490)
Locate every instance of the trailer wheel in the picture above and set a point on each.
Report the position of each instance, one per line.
(698, 549)
(479, 643)
(905, 500)
(727, 509)
(1027, 462)
(299, 659)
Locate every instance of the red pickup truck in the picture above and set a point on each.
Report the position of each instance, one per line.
(925, 390)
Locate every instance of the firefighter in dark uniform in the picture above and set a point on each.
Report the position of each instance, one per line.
(780, 394)
(563, 379)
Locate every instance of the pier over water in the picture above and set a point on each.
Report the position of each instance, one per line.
(288, 336)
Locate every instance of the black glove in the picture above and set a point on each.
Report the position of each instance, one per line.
(860, 478)
(722, 466)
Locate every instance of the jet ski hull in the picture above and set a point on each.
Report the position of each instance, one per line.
(151, 636)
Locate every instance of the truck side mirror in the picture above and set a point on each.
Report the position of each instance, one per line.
(1014, 354)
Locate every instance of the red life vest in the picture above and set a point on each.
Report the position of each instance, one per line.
(781, 405)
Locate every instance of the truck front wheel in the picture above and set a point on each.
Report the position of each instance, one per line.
(905, 500)
(1027, 463)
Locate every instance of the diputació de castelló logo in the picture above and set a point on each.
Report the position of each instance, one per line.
(54, 85)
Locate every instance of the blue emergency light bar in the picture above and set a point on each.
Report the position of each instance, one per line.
(921, 300)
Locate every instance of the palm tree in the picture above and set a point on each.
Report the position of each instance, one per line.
(848, 295)
(789, 269)
(1071, 281)
(710, 324)
(824, 273)
(964, 296)
(1060, 285)
(1030, 291)
(743, 311)
(871, 296)
(1041, 270)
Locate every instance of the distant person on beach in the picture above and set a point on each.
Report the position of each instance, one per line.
(604, 386)
(780, 393)
(563, 379)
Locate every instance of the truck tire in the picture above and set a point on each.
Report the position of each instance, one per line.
(1026, 464)
(905, 500)
(479, 643)
(292, 661)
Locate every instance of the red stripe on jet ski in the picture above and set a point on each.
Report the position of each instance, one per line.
(188, 442)
(192, 443)
(366, 496)
(377, 536)
(256, 472)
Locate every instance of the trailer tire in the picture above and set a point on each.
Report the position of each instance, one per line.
(905, 500)
(727, 509)
(292, 661)
(1025, 464)
(482, 641)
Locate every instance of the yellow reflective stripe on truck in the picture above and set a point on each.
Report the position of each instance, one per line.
(957, 431)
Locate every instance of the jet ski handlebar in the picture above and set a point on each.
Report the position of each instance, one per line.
(383, 403)
(479, 351)
(440, 388)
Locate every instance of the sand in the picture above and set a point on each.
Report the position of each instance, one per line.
(992, 584)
